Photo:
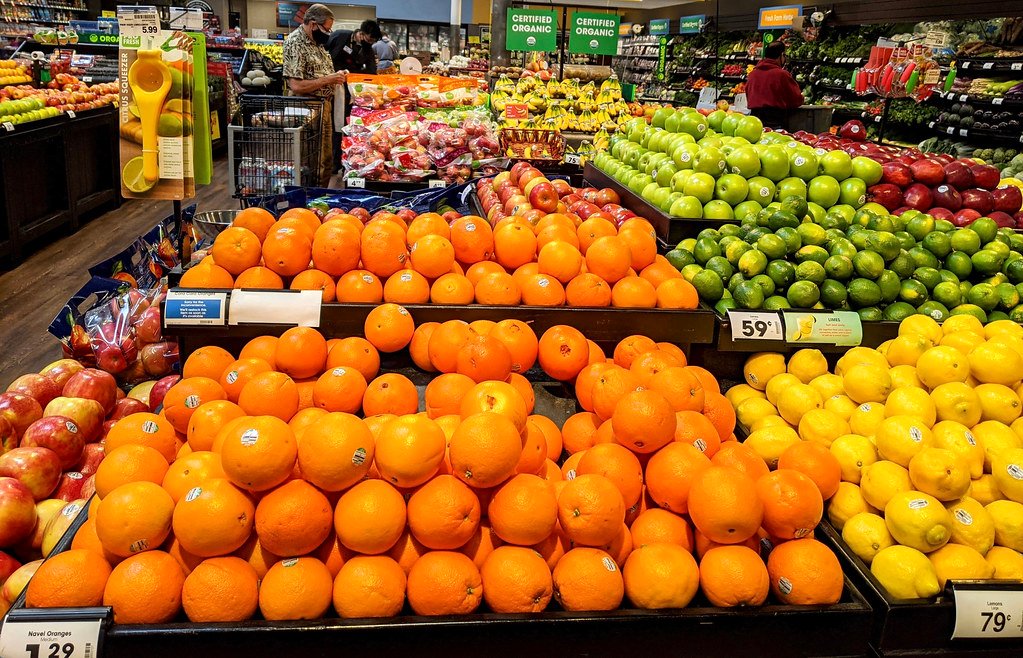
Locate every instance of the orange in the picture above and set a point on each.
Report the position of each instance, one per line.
(674, 350)
(369, 586)
(484, 358)
(383, 248)
(588, 289)
(135, 517)
(409, 450)
(497, 397)
(660, 271)
(633, 292)
(444, 513)
(563, 352)
(733, 576)
(472, 239)
(355, 352)
(477, 271)
(206, 275)
(631, 347)
(710, 383)
(359, 287)
(315, 280)
(805, 572)
(452, 289)
(557, 233)
(191, 471)
(694, 428)
(560, 260)
(236, 249)
(287, 250)
(485, 449)
(659, 576)
(553, 548)
(304, 217)
(71, 579)
(270, 393)
(301, 352)
(259, 278)
(677, 294)
(129, 463)
(188, 394)
(87, 539)
(445, 343)
(304, 419)
(523, 510)
(514, 245)
(293, 519)
(642, 245)
(587, 579)
(444, 394)
(534, 451)
(618, 465)
(648, 364)
(681, 387)
(432, 256)
(736, 455)
(336, 248)
(419, 346)
(723, 505)
(257, 220)
(207, 361)
(516, 580)
(609, 258)
(214, 518)
(520, 341)
(331, 553)
(221, 589)
(145, 589)
(524, 273)
(256, 556)
(390, 393)
(702, 544)
(207, 421)
(407, 287)
(670, 474)
(793, 505)
(336, 452)
(370, 517)
(551, 434)
(721, 414)
(815, 461)
(143, 429)
(340, 389)
(389, 327)
(584, 383)
(481, 544)
(590, 510)
(592, 229)
(655, 526)
(444, 583)
(429, 223)
(406, 551)
(542, 290)
(579, 432)
(261, 347)
(605, 433)
(258, 452)
(609, 388)
(525, 390)
(643, 421)
(620, 547)
(296, 588)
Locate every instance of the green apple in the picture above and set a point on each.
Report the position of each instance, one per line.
(664, 173)
(701, 186)
(749, 127)
(656, 140)
(744, 161)
(678, 181)
(729, 123)
(655, 161)
(660, 196)
(824, 191)
(687, 207)
(718, 209)
(866, 169)
(670, 201)
(746, 209)
(647, 135)
(774, 163)
(731, 188)
(715, 118)
(636, 132)
(671, 123)
(761, 190)
(639, 182)
(791, 186)
(660, 115)
(709, 160)
(803, 163)
(684, 155)
(875, 208)
(854, 191)
(649, 191)
(633, 156)
(694, 124)
(710, 139)
(836, 164)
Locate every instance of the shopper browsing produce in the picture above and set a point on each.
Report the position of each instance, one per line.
(354, 51)
(386, 52)
(771, 91)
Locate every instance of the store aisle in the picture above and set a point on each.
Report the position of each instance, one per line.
(33, 292)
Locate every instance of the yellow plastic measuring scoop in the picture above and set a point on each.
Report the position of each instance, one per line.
(150, 79)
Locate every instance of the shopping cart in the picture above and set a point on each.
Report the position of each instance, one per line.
(276, 144)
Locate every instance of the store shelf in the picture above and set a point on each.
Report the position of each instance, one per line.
(1008, 101)
(977, 133)
(1004, 65)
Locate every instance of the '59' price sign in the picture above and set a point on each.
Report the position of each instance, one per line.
(756, 325)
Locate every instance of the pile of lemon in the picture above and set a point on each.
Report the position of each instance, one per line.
(928, 431)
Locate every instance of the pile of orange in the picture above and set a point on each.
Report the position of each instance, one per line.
(561, 260)
(295, 480)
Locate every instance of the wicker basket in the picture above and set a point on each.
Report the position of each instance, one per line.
(535, 146)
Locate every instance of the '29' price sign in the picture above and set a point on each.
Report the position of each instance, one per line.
(75, 634)
(989, 611)
(756, 325)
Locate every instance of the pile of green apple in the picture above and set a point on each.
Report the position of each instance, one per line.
(724, 166)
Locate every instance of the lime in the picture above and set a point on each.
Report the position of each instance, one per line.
(885, 244)
(688, 244)
(1016, 314)
(903, 265)
(947, 276)
(690, 271)
(812, 234)
(735, 280)
(795, 205)
(772, 246)
(1016, 242)
(906, 241)
(898, 311)
(860, 238)
(923, 258)
(947, 293)
(879, 223)
(708, 285)
(1008, 296)
(996, 278)
(935, 310)
(752, 263)
(1000, 248)
(706, 249)
(710, 234)
(782, 218)
(783, 273)
(890, 284)
(960, 264)
(964, 288)
(913, 292)
(870, 314)
(133, 178)
(679, 258)
(803, 294)
(811, 271)
(720, 266)
(965, 240)
(928, 276)
(868, 264)
(734, 249)
(756, 233)
(920, 226)
(863, 292)
(986, 261)
(832, 220)
(842, 247)
(995, 316)
(748, 295)
(937, 243)
(793, 241)
(833, 294)
(985, 227)
(839, 267)
(724, 305)
(812, 253)
(776, 302)
(944, 226)
(766, 284)
(729, 230)
(983, 295)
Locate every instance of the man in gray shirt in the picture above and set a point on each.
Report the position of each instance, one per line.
(386, 52)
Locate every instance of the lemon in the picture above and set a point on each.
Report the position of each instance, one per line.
(828, 385)
(994, 438)
(847, 502)
(958, 562)
(751, 410)
(882, 349)
(941, 473)
(1003, 327)
(796, 400)
(867, 534)
(841, 405)
(984, 490)
(1008, 518)
(770, 442)
(822, 426)
(971, 525)
(904, 376)
(995, 363)
(769, 421)
(918, 520)
(899, 438)
(959, 323)
(1007, 563)
(853, 452)
(867, 383)
(942, 364)
(859, 356)
(808, 364)
(963, 341)
(1011, 341)
(1017, 426)
(741, 392)
(866, 418)
(957, 401)
(778, 384)
(911, 401)
(906, 350)
(921, 325)
(761, 367)
(999, 403)
(881, 480)
(905, 572)
(1007, 469)
(956, 437)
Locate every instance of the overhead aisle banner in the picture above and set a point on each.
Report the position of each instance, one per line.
(778, 18)
(691, 24)
(532, 29)
(593, 34)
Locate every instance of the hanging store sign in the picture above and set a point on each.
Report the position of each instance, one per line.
(624, 29)
(691, 24)
(778, 18)
(593, 34)
(660, 26)
(532, 29)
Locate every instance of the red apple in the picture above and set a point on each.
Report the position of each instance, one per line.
(941, 213)
(528, 175)
(158, 359)
(504, 176)
(39, 387)
(38, 469)
(451, 216)
(607, 195)
(93, 384)
(533, 216)
(897, 173)
(126, 407)
(959, 175)
(92, 455)
(517, 170)
(918, 196)
(160, 389)
(986, 177)
(70, 487)
(147, 327)
(1003, 219)
(907, 158)
(17, 582)
(17, 512)
(407, 214)
(87, 414)
(946, 196)
(59, 434)
(514, 201)
(562, 186)
(506, 192)
(927, 171)
(8, 436)
(569, 199)
(965, 216)
(888, 195)
(8, 565)
(20, 410)
(110, 358)
(61, 371)
(980, 200)
(943, 158)
(544, 197)
(1008, 199)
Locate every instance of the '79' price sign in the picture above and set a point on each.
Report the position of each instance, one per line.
(756, 325)
(53, 633)
(988, 610)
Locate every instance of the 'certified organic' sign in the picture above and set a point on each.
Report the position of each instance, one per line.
(593, 34)
(532, 29)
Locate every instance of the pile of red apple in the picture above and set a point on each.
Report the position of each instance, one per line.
(525, 192)
(957, 190)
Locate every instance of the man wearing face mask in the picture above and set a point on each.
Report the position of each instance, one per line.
(309, 71)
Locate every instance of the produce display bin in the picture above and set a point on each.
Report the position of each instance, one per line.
(916, 627)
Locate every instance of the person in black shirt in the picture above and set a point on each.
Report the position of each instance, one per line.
(353, 51)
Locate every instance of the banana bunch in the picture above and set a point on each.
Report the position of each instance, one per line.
(612, 87)
(272, 51)
(526, 85)
(601, 141)
(499, 99)
(555, 89)
(505, 84)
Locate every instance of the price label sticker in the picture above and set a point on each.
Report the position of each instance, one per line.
(756, 325)
(877, 119)
(71, 114)
(965, 66)
(985, 611)
(357, 183)
(195, 308)
(950, 130)
(294, 307)
(836, 328)
(988, 65)
(56, 637)
(963, 132)
(465, 194)
(930, 125)
(135, 23)
(963, 98)
(997, 101)
(572, 158)
(87, 79)
(8, 126)
(1017, 66)
(436, 182)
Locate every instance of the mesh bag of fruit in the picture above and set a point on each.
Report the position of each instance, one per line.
(382, 91)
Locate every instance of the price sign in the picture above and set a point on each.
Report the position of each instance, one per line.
(997, 101)
(70, 114)
(1017, 66)
(137, 22)
(572, 158)
(963, 98)
(295, 307)
(65, 633)
(756, 325)
(963, 132)
(988, 65)
(516, 111)
(436, 182)
(358, 183)
(930, 124)
(195, 308)
(965, 65)
(989, 610)
(87, 79)
(836, 328)
(8, 126)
